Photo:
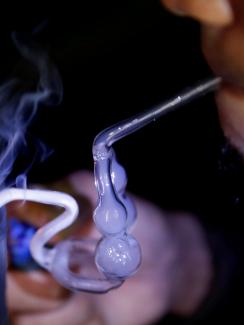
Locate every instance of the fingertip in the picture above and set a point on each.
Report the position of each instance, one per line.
(217, 12)
(173, 6)
(214, 12)
(230, 103)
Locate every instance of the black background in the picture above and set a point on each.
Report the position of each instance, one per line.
(117, 59)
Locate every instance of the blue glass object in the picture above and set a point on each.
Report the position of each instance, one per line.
(20, 235)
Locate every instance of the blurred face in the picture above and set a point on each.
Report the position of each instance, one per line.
(163, 282)
(34, 297)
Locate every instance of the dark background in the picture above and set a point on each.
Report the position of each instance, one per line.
(117, 59)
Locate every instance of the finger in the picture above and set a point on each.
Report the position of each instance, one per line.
(230, 102)
(224, 49)
(214, 12)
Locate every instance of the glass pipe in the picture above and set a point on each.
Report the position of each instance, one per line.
(87, 265)
(118, 253)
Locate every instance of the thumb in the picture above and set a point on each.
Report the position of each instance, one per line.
(213, 12)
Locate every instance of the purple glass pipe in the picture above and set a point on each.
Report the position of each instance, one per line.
(105, 264)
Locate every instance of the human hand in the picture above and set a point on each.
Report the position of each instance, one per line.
(223, 46)
(175, 265)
